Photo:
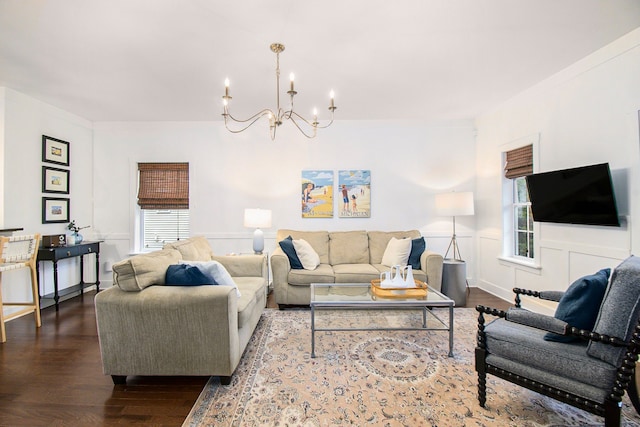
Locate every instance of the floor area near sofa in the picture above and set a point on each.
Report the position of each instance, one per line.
(389, 378)
(54, 374)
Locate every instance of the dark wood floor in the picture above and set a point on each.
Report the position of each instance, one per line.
(52, 376)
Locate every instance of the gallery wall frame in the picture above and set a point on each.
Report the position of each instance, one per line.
(317, 193)
(354, 193)
(55, 180)
(55, 209)
(55, 151)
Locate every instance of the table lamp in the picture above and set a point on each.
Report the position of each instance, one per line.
(454, 204)
(257, 218)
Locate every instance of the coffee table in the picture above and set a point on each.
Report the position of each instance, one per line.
(358, 296)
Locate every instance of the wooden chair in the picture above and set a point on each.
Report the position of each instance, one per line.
(17, 252)
(591, 373)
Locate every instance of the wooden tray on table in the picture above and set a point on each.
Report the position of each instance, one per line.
(419, 291)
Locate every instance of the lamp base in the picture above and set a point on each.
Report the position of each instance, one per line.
(258, 241)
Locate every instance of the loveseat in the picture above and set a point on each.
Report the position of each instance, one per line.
(149, 327)
(345, 257)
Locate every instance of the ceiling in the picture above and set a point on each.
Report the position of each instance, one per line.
(147, 60)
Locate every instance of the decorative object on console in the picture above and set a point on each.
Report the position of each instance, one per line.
(257, 218)
(76, 237)
(279, 115)
(454, 204)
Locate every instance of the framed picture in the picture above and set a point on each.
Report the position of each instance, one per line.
(317, 194)
(55, 210)
(55, 180)
(354, 187)
(55, 151)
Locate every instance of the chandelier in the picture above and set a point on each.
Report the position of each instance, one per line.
(307, 127)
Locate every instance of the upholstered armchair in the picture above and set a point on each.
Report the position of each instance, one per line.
(586, 367)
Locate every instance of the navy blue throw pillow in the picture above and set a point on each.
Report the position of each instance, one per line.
(290, 251)
(580, 304)
(417, 247)
(185, 275)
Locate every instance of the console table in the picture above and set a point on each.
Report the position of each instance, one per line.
(55, 254)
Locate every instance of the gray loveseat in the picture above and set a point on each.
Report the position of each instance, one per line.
(147, 327)
(345, 257)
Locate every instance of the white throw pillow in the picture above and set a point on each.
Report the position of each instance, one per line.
(214, 271)
(309, 258)
(397, 252)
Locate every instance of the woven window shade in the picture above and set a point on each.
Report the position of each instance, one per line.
(519, 162)
(163, 185)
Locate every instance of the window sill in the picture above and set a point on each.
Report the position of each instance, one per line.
(518, 262)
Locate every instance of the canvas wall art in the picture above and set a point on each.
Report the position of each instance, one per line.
(354, 188)
(317, 193)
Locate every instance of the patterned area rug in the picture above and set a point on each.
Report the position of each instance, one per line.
(392, 378)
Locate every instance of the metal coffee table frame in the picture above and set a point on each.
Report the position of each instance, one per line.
(338, 297)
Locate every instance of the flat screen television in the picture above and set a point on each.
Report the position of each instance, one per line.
(582, 195)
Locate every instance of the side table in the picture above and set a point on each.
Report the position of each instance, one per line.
(454, 280)
(63, 252)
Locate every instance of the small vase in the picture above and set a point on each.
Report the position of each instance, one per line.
(78, 238)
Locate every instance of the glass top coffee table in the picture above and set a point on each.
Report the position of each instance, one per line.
(359, 296)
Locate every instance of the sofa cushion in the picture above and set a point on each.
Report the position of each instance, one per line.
(397, 252)
(250, 287)
(348, 247)
(355, 273)
(140, 271)
(215, 272)
(185, 275)
(319, 241)
(417, 247)
(580, 304)
(193, 249)
(308, 257)
(290, 251)
(322, 274)
(378, 241)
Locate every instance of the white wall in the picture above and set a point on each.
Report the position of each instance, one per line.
(409, 163)
(25, 121)
(584, 115)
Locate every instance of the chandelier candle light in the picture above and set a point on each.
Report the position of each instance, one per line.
(277, 117)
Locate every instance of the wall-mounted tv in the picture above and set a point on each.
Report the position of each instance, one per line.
(582, 195)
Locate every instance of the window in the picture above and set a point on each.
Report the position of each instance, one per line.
(523, 220)
(519, 163)
(163, 197)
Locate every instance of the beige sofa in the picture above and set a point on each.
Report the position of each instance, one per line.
(345, 257)
(148, 328)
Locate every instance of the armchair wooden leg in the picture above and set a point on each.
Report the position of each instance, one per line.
(482, 376)
(3, 332)
(612, 413)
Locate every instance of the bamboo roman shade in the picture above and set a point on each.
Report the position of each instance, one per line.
(519, 162)
(163, 185)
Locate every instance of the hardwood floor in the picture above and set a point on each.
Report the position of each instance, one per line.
(52, 376)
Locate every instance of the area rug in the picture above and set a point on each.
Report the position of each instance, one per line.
(381, 378)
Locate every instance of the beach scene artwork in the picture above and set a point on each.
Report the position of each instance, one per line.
(317, 194)
(354, 193)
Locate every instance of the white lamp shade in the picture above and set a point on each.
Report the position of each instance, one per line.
(257, 218)
(454, 204)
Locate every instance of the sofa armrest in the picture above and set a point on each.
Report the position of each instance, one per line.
(280, 268)
(169, 330)
(431, 264)
(244, 265)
